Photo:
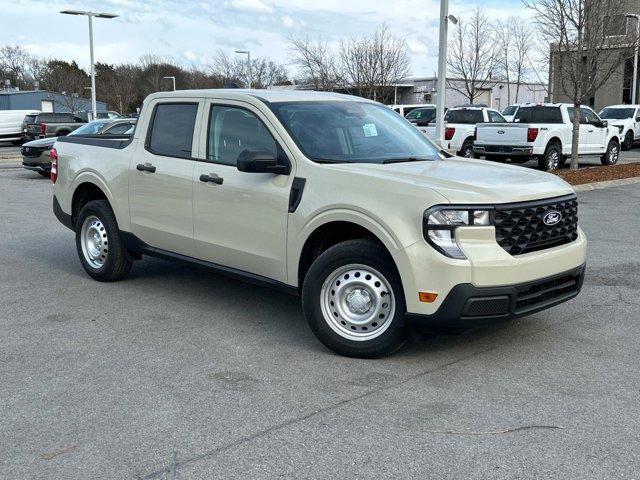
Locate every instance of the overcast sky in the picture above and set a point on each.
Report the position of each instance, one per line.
(192, 31)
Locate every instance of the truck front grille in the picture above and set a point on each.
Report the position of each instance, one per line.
(535, 294)
(528, 226)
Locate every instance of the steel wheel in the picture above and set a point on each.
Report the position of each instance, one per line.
(357, 302)
(94, 241)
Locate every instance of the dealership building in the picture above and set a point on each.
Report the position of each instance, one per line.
(45, 101)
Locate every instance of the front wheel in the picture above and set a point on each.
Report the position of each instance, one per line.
(353, 300)
(628, 141)
(98, 242)
(612, 154)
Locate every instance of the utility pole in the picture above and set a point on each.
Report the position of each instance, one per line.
(442, 67)
(635, 58)
(90, 15)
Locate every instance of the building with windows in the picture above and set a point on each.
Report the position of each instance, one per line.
(618, 88)
(46, 101)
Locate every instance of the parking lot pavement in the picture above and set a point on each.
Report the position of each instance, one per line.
(8, 150)
(109, 380)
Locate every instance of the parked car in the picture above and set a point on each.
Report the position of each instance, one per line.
(510, 112)
(107, 115)
(627, 119)
(329, 196)
(544, 132)
(36, 154)
(459, 127)
(11, 125)
(47, 124)
(404, 110)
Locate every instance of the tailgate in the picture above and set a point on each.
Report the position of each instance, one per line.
(33, 129)
(429, 131)
(502, 133)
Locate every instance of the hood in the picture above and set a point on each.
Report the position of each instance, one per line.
(42, 142)
(467, 181)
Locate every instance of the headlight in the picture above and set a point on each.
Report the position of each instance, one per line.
(440, 224)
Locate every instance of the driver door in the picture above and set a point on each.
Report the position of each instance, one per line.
(240, 218)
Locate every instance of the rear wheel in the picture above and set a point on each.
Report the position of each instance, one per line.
(98, 243)
(353, 300)
(551, 159)
(612, 154)
(467, 149)
(628, 141)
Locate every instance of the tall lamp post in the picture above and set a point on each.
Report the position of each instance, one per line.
(442, 66)
(90, 15)
(635, 57)
(248, 54)
(174, 81)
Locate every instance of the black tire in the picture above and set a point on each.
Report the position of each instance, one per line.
(612, 154)
(116, 263)
(63, 133)
(17, 143)
(467, 149)
(44, 174)
(551, 159)
(367, 254)
(628, 141)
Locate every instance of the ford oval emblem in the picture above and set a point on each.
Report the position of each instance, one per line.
(552, 218)
(500, 132)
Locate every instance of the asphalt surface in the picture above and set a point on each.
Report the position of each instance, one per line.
(180, 373)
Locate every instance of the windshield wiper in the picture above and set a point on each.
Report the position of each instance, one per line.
(329, 160)
(405, 159)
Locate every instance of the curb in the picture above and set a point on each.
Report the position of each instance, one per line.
(585, 187)
(10, 158)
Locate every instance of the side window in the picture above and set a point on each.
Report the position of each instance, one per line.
(233, 130)
(590, 117)
(495, 117)
(637, 115)
(583, 117)
(118, 129)
(171, 133)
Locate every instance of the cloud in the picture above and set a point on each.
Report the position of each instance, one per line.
(287, 21)
(251, 5)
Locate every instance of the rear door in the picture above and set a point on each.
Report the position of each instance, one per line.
(636, 124)
(240, 220)
(161, 176)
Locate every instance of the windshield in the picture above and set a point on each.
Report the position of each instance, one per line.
(510, 110)
(422, 114)
(354, 132)
(92, 128)
(617, 113)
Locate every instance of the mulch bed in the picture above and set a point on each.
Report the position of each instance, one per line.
(600, 174)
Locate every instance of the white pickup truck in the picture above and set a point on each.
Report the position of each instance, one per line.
(544, 132)
(459, 127)
(627, 119)
(331, 197)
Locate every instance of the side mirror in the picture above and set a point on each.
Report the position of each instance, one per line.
(604, 124)
(261, 160)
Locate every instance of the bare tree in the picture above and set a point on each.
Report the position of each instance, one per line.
(585, 52)
(472, 55)
(68, 79)
(14, 65)
(513, 41)
(264, 73)
(317, 64)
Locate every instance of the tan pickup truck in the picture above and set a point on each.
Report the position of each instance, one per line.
(331, 197)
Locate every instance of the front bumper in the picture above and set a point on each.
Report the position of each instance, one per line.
(467, 305)
(36, 166)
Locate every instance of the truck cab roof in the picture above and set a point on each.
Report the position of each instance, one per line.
(267, 96)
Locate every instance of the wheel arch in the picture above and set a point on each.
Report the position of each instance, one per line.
(321, 235)
(84, 192)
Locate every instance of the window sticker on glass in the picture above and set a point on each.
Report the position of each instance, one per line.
(370, 130)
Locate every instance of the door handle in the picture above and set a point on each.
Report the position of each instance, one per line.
(590, 130)
(141, 167)
(209, 178)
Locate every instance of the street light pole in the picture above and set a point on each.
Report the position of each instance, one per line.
(635, 58)
(174, 81)
(442, 67)
(248, 54)
(94, 107)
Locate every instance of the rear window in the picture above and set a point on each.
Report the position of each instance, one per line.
(171, 132)
(510, 110)
(538, 115)
(31, 119)
(464, 116)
